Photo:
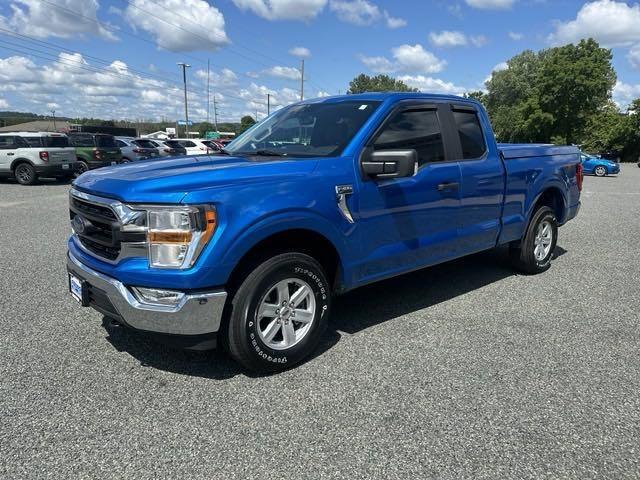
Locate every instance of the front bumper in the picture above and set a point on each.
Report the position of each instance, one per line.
(196, 314)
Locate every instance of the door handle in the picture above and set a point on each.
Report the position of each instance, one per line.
(448, 186)
(9, 154)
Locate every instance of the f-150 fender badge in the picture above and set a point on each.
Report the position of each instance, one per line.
(342, 191)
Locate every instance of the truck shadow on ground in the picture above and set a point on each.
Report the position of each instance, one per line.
(352, 313)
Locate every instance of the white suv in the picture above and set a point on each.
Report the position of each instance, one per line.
(30, 155)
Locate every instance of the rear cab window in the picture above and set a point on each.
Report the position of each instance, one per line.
(472, 139)
(82, 141)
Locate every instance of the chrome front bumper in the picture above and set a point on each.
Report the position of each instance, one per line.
(195, 314)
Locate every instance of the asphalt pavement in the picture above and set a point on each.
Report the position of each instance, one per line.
(465, 370)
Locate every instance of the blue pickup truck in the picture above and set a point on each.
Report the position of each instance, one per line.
(247, 247)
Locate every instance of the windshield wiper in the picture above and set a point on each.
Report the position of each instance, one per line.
(266, 153)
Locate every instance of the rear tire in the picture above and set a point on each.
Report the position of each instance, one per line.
(534, 252)
(277, 316)
(25, 174)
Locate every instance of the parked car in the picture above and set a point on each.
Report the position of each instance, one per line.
(174, 148)
(160, 146)
(133, 151)
(320, 198)
(597, 166)
(27, 156)
(194, 146)
(94, 150)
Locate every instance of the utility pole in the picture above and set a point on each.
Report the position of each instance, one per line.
(302, 81)
(186, 108)
(53, 112)
(208, 97)
(215, 111)
(268, 104)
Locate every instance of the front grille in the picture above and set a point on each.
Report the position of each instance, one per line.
(101, 232)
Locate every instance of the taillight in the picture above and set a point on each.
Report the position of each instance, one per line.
(97, 154)
(44, 156)
(168, 150)
(579, 175)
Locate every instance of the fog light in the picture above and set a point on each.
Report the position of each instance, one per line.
(156, 296)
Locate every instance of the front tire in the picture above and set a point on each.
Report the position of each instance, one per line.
(534, 252)
(600, 171)
(81, 168)
(279, 313)
(25, 174)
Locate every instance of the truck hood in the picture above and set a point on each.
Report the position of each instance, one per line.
(168, 181)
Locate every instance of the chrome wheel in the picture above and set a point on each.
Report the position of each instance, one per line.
(285, 314)
(601, 171)
(542, 241)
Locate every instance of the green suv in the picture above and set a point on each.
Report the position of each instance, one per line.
(95, 150)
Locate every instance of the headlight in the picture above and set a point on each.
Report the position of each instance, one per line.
(177, 235)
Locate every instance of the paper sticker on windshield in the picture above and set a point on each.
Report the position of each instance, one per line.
(363, 107)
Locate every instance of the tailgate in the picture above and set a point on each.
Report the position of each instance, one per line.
(61, 155)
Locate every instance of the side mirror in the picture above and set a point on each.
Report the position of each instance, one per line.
(389, 163)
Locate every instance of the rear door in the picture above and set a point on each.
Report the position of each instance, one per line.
(482, 173)
(408, 223)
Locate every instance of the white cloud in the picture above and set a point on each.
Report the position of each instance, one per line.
(432, 85)
(491, 4)
(414, 58)
(357, 12)
(283, 72)
(303, 10)
(625, 93)
(226, 78)
(449, 38)
(4, 103)
(516, 36)
(69, 19)
(179, 25)
(394, 22)
(300, 52)
(408, 59)
(609, 22)
(256, 97)
(52, 105)
(634, 56)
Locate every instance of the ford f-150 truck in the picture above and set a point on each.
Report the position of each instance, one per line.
(247, 247)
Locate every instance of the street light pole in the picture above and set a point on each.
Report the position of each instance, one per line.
(186, 108)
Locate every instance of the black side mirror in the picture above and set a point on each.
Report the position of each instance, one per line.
(390, 163)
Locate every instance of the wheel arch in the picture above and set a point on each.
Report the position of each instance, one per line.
(553, 198)
(20, 160)
(304, 240)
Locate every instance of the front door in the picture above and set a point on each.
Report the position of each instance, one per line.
(408, 223)
(7, 152)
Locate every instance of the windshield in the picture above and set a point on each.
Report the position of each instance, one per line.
(305, 130)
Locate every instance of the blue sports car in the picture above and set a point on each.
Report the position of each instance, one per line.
(597, 166)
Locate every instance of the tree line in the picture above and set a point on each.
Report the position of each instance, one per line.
(557, 95)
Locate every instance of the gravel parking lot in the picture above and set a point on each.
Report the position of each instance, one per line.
(466, 370)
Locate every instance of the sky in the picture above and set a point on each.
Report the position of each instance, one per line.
(117, 59)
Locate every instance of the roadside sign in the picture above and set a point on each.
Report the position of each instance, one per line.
(211, 134)
(184, 122)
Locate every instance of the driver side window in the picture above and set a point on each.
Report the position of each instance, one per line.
(413, 129)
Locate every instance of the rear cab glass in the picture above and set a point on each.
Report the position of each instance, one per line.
(470, 132)
(82, 141)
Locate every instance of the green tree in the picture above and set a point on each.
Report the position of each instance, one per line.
(380, 83)
(551, 94)
(478, 95)
(246, 122)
